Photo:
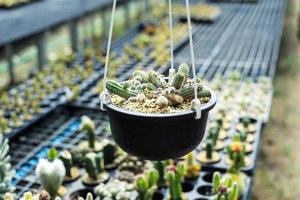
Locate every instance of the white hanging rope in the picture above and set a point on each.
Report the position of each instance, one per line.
(104, 94)
(196, 102)
(171, 70)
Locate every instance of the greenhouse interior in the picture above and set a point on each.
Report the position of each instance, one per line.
(149, 99)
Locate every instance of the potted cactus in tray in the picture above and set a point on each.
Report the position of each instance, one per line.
(224, 188)
(115, 190)
(72, 172)
(174, 176)
(208, 155)
(236, 160)
(191, 167)
(146, 185)
(87, 126)
(95, 172)
(51, 172)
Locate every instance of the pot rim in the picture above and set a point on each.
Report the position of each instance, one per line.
(204, 108)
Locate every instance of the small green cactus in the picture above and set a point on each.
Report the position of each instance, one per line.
(236, 153)
(156, 79)
(66, 158)
(94, 164)
(188, 92)
(160, 167)
(184, 69)
(213, 135)
(119, 90)
(174, 176)
(109, 151)
(178, 80)
(141, 76)
(6, 174)
(146, 185)
(209, 149)
(224, 189)
(87, 125)
(192, 168)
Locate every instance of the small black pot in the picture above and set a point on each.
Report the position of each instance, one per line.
(158, 136)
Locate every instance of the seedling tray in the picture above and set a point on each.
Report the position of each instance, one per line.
(59, 128)
(200, 188)
(222, 166)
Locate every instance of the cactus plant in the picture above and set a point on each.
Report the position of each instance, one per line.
(72, 172)
(4, 128)
(191, 167)
(208, 155)
(150, 92)
(94, 166)
(174, 176)
(115, 190)
(224, 189)
(146, 184)
(6, 174)
(88, 126)
(42, 196)
(119, 90)
(51, 173)
(160, 166)
(236, 153)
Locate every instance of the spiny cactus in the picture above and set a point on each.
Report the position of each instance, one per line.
(141, 76)
(152, 92)
(6, 174)
(174, 176)
(187, 92)
(224, 189)
(51, 173)
(156, 79)
(88, 126)
(146, 185)
(236, 153)
(119, 90)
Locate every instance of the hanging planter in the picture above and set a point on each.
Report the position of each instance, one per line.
(164, 133)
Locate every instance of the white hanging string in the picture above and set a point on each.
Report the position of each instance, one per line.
(196, 102)
(104, 93)
(171, 70)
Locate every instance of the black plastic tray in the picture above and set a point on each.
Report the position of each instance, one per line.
(222, 166)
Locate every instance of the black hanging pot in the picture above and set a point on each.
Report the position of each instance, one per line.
(158, 136)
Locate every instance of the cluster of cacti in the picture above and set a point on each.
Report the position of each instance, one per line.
(115, 190)
(51, 173)
(236, 154)
(225, 188)
(174, 176)
(146, 184)
(132, 164)
(154, 87)
(6, 174)
(191, 167)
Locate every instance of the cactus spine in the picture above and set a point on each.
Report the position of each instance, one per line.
(119, 90)
(174, 176)
(146, 185)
